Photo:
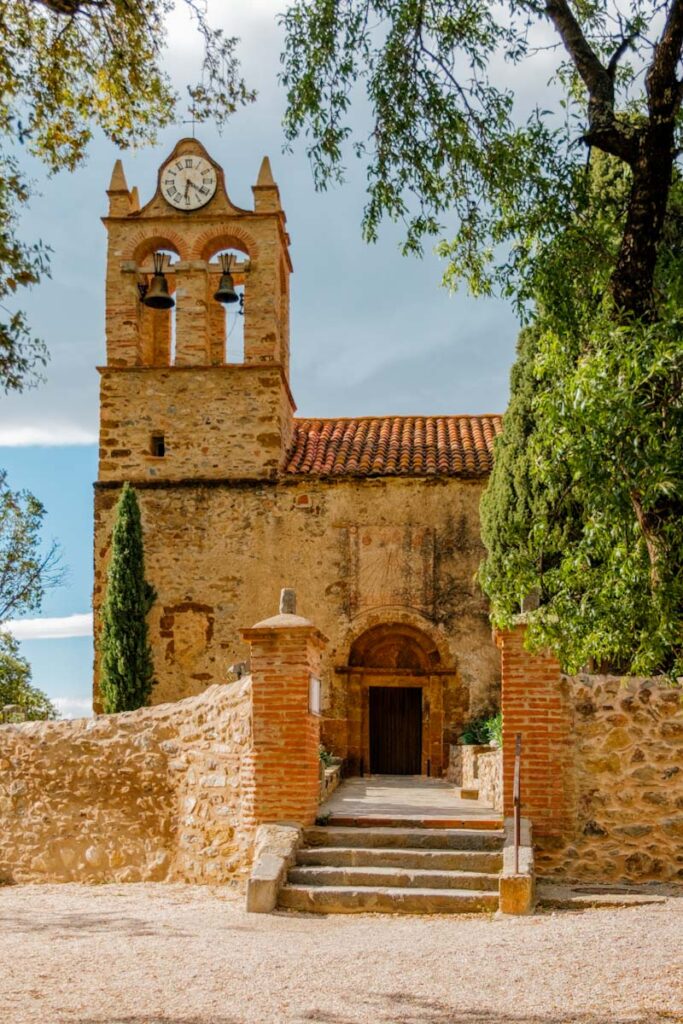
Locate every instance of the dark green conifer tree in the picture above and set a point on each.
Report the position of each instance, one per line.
(526, 523)
(126, 666)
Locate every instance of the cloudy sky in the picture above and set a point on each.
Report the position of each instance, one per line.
(372, 331)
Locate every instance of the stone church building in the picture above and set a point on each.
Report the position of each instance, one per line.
(373, 520)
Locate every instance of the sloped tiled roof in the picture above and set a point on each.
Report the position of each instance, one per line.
(394, 446)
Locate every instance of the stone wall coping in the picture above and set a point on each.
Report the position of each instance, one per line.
(151, 712)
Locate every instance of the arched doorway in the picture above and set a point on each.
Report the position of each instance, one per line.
(395, 702)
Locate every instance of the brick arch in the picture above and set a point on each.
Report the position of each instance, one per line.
(212, 241)
(143, 244)
(400, 630)
(394, 645)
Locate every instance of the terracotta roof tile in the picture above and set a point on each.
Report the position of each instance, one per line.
(394, 446)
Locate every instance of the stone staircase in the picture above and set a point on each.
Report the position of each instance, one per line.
(406, 870)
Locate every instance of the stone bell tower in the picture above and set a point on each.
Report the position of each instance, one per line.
(175, 405)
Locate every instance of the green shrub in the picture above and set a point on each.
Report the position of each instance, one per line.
(481, 731)
(495, 727)
(325, 756)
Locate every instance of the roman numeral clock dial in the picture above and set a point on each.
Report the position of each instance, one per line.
(188, 182)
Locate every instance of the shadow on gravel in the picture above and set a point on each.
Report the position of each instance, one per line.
(403, 1008)
(74, 925)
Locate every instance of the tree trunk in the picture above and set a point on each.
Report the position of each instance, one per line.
(633, 278)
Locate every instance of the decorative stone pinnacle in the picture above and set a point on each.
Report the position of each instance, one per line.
(118, 181)
(287, 601)
(265, 174)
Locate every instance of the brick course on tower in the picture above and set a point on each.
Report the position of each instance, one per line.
(374, 521)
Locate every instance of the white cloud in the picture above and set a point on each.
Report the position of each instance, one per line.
(44, 436)
(50, 629)
(72, 707)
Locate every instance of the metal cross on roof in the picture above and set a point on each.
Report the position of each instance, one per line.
(193, 120)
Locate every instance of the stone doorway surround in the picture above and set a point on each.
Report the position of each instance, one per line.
(395, 654)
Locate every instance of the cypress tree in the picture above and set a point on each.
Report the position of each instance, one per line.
(126, 666)
(525, 523)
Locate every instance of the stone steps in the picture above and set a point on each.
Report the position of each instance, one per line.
(386, 821)
(393, 878)
(332, 899)
(404, 837)
(427, 860)
(402, 869)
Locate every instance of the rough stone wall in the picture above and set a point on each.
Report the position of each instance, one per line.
(490, 773)
(217, 422)
(477, 767)
(627, 776)
(154, 794)
(471, 753)
(358, 551)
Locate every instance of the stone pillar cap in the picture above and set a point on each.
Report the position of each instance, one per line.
(286, 617)
(283, 621)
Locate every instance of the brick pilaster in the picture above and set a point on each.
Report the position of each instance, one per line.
(191, 347)
(282, 771)
(533, 704)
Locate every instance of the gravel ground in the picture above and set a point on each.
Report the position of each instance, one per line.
(174, 954)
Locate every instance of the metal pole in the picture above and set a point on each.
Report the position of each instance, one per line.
(517, 798)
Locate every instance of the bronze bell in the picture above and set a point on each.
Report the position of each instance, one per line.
(157, 295)
(226, 288)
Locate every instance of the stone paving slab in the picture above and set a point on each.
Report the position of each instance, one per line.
(567, 896)
(378, 800)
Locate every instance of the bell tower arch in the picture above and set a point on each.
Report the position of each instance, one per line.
(176, 402)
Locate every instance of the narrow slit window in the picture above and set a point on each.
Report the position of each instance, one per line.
(158, 445)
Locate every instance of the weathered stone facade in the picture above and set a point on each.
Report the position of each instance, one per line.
(216, 556)
(380, 537)
(155, 794)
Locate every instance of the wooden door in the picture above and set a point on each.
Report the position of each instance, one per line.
(396, 730)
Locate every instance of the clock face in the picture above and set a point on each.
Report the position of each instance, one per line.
(188, 182)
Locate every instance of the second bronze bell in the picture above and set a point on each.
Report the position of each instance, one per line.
(157, 295)
(226, 287)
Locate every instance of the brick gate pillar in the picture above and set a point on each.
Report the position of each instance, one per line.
(534, 705)
(282, 771)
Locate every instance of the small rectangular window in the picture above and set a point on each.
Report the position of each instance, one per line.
(158, 445)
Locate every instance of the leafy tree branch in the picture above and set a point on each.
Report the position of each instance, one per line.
(27, 568)
(69, 68)
(447, 141)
